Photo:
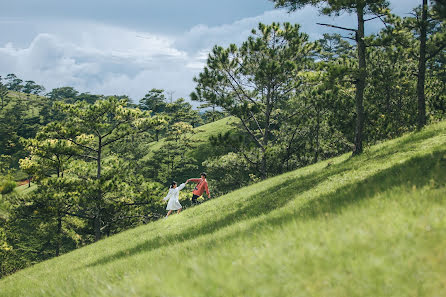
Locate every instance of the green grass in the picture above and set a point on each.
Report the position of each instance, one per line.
(373, 225)
(24, 189)
(33, 102)
(201, 138)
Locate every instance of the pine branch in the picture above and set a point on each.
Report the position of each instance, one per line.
(439, 49)
(375, 17)
(337, 27)
(348, 37)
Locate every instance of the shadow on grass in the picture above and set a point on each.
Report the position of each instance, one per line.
(258, 204)
(417, 171)
(405, 144)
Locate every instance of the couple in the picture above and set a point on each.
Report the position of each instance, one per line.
(174, 191)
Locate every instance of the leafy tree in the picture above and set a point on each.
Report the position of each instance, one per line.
(154, 100)
(361, 8)
(13, 82)
(391, 108)
(172, 160)
(3, 94)
(40, 221)
(92, 128)
(436, 86)
(321, 95)
(64, 93)
(31, 87)
(252, 81)
(181, 111)
(334, 47)
(89, 98)
(211, 111)
(424, 37)
(12, 123)
(227, 173)
(440, 8)
(48, 156)
(211, 115)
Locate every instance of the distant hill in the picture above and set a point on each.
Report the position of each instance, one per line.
(202, 134)
(372, 225)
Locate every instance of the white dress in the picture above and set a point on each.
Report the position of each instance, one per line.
(172, 196)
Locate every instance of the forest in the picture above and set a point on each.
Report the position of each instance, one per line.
(77, 167)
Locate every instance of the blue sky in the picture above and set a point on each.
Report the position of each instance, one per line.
(128, 47)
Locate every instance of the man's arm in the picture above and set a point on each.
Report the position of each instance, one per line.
(194, 180)
(207, 190)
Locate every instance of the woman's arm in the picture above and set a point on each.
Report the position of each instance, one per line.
(181, 187)
(168, 195)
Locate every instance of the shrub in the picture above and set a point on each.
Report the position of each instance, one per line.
(7, 186)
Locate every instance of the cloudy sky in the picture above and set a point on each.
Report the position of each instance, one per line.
(116, 47)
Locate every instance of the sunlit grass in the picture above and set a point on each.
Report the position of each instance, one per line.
(25, 189)
(373, 225)
(201, 138)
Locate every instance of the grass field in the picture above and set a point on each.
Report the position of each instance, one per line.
(201, 137)
(373, 225)
(24, 189)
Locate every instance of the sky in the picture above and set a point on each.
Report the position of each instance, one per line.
(116, 47)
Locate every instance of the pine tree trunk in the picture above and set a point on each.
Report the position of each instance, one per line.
(59, 234)
(97, 217)
(422, 69)
(265, 141)
(316, 151)
(361, 81)
(97, 226)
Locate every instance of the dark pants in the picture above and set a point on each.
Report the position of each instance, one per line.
(194, 199)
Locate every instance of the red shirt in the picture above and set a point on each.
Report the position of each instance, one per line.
(201, 186)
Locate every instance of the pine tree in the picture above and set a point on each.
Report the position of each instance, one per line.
(361, 8)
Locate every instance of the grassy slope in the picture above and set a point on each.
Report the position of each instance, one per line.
(201, 137)
(30, 100)
(373, 225)
(24, 189)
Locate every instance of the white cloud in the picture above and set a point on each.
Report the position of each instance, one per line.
(98, 59)
(107, 59)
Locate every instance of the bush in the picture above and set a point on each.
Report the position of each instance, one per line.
(7, 186)
(227, 173)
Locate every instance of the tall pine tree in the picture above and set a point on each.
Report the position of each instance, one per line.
(361, 8)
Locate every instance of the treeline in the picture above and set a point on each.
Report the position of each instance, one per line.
(297, 101)
(301, 101)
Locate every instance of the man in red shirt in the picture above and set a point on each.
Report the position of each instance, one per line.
(202, 185)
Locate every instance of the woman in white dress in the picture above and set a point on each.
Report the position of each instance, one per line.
(172, 196)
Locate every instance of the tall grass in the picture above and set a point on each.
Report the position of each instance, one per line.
(373, 225)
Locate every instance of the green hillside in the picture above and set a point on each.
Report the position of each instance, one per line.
(373, 225)
(203, 132)
(204, 148)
